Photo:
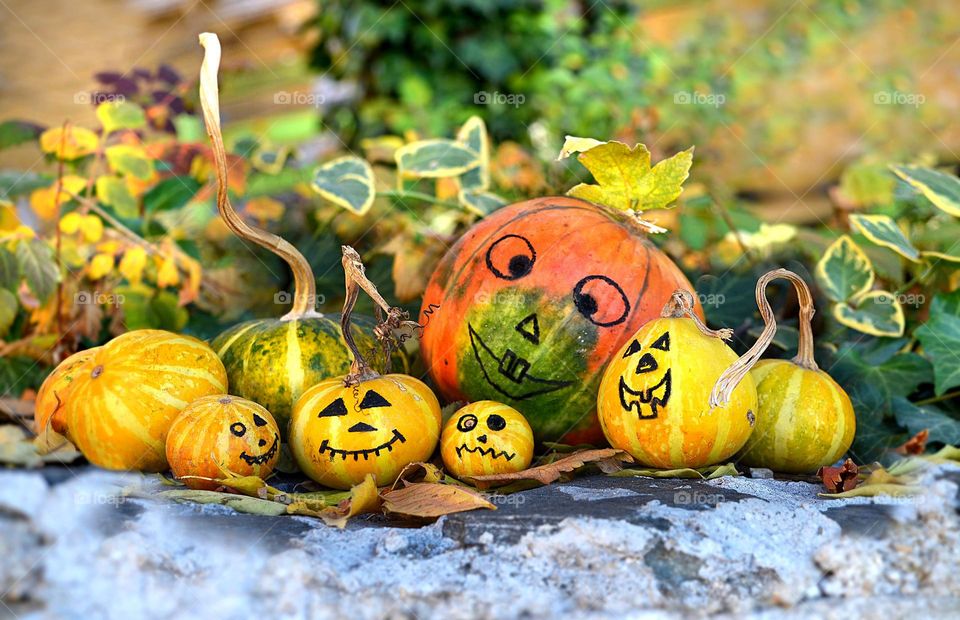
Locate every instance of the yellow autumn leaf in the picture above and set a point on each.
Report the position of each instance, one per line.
(625, 179)
(100, 265)
(265, 209)
(69, 143)
(92, 228)
(70, 223)
(43, 200)
(191, 288)
(108, 247)
(133, 263)
(167, 274)
(9, 220)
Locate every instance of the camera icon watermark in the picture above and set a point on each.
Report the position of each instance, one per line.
(913, 300)
(685, 97)
(96, 298)
(285, 97)
(895, 97)
(87, 98)
(697, 498)
(482, 97)
(284, 298)
(98, 499)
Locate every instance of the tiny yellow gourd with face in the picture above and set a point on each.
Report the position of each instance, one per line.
(364, 423)
(218, 435)
(486, 437)
(654, 399)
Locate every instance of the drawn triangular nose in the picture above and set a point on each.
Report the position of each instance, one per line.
(529, 328)
(361, 427)
(482, 439)
(646, 363)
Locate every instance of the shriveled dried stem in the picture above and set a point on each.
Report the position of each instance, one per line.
(305, 293)
(680, 306)
(396, 318)
(735, 373)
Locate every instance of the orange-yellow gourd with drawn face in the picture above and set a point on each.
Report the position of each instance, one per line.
(654, 398)
(220, 435)
(486, 437)
(341, 433)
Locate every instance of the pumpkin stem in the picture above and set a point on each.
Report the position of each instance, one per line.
(396, 318)
(305, 291)
(680, 305)
(732, 376)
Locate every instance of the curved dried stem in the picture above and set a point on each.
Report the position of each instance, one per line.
(395, 320)
(735, 373)
(305, 293)
(680, 306)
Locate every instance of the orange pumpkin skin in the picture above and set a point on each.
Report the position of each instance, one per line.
(339, 433)
(486, 437)
(217, 434)
(123, 400)
(530, 304)
(53, 391)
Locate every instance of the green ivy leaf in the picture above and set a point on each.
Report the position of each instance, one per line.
(844, 272)
(943, 190)
(473, 135)
(433, 159)
(144, 308)
(114, 193)
(13, 133)
(8, 310)
(480, 202)
(916, 418)
(877, 313)
(883, 230)
(9, 270)
(873, 375)
(625, 179)
(347, 182)
(129, 159)
(868, 184)
(120, 115)
(170, 194)
(940, 337)
(38, 267)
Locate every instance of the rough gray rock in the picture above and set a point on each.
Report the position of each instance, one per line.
(595, 547)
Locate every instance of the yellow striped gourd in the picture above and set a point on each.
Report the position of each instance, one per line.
(654, 397)
(486, 437)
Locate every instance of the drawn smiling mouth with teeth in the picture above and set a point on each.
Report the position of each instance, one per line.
(653, 397)
(509, 374)
(260, 459)
(493, 454)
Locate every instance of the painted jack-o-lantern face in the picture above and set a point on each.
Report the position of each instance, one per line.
(653, 401)
(219, 434)
(530, 305)
(486, 437)
(339, 434)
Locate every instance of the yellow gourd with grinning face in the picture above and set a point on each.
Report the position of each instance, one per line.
(486, 437)
(654, 399)
(364, 423)
(218, 435)
(340, 433)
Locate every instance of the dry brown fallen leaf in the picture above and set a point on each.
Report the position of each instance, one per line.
(915, 445)
(363, 499)
(418, 472)
(430, 500)
(839, 479)
(605, 458)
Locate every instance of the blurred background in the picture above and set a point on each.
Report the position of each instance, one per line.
(796, 109)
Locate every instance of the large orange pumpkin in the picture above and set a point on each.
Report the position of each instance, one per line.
(530, 304)
(120, 404)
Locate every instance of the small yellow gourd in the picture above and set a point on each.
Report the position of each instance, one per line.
(486, 437)
(804, 418)
(654, 397)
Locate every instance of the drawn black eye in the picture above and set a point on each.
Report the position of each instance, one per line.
(496, 422)
(467, 423)
(373, 399)
(337, 407)
(601, 301)
(511, 257)
(258, 420)
(238, 429)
